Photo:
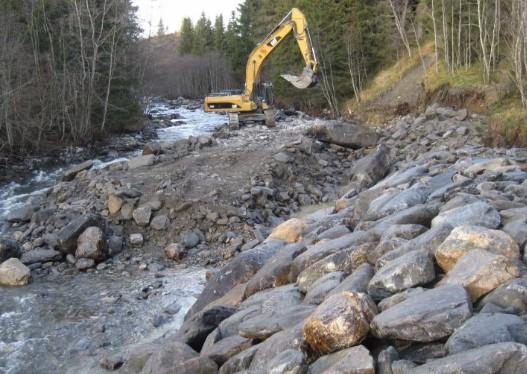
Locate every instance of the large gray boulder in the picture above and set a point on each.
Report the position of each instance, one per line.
(372, 168)
(22, 214)
(72, 172)
(500, 358)
(91, 244)
(487, 328)
(357, 360)
(345, 134)
(395, 202)
(357, 281)
(510, 297)
(14, 273)
(68, 235)
(40, 255)
(318, 291)
(8, 249)
(290, 361)
(425, 317)
(141, 161)
(477, 214)
(412, 269)
(224, 349)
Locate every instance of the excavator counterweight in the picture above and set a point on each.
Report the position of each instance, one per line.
(254, 103)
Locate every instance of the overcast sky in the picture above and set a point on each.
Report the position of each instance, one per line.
(172, 11)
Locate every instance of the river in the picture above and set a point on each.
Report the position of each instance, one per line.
(63, 323)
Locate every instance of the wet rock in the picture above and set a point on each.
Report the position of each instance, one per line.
(372, 168)
(142, 215)
(425, 317)
(190, 240)
(341, 321)
(114, 204)
(477, 214)
(275, 272)
(22, 214)
(410, 270)
(84, 263)
(356, 361)
(510, 297)
(237, 271)
(175, 251)
(8, 249)
(91, 244)
(72, 172)
(153, 148)
(14, 273)
(357, 281)
(289, 361)
(136, 240)
(140, 161)
(345, 134)
(221, 351)
(487, 328)
(172, 308)
(68, 235)
(492, 359)
(194, 331)
(40, 255)
(290, 231)
(466, 238)
(322, 287)
(480, 272)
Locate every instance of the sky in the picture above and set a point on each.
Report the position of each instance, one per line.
(173, 11)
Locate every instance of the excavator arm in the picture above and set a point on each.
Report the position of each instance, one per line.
(295, 22)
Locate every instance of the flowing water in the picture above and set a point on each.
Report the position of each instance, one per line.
(63, 323)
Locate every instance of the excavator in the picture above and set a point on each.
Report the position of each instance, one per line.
(253, 104)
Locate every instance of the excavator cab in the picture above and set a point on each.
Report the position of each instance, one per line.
(255, 102)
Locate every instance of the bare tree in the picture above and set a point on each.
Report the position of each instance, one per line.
(400, 13)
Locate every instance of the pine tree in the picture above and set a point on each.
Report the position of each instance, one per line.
(203, 36)
(219, 33)
(186, 34)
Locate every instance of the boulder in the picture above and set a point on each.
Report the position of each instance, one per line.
(290, 231)
(221, 351)
(142, 215)
(500, 358)
(40, 255)
(8, 249)
(425, 317)
(237, 271)
(345, 260)
(517, 229)
(476, 214)
(190, 240)
(114, 204)
(380, 207)
(372, 168)
(466, 238)
(510, 297)
(487, 328)
(172, 357)
(385, 359)
(323, 363)
(22, 214)
(175, 251)
(159, 222)
(341, 321)
(84, 264)
(141, 161)
(390, 301)
(356, 361)
(14, 273)
(356, 282)
(91, 244)
(152, 148)
(68, 235)
(345, 134)
(275, 272)
(239, 362)
(289, 361)
(410, 270)
(480, 272)
(136, 239)
(421, 214)
(72, 172)
(318, 291)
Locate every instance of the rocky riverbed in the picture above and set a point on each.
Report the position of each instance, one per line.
(333, 248)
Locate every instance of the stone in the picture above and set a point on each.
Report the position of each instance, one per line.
(175, 357)
(341, 321)
(114, 204)
(91, 244)
(111, 362)
(517, 229)
(425, 317)
(190, 240)
(115, 245)
(237, 271)
(67, 237)
(142, 215)
(356, 361)
(380, 207)
(84, 263)
(357, 281)
(22, 214)
(385, 359)
(480, 272)
(8, 249)
(14, 273)
(421, 214)
(141, 161)
(72, 172)
(283, 157)
(289, 361)
(159, 222)
(477, 214)
(221, 351)
(412, 269)
(136, 240)
(240, 362)
(487, 328)
(194, 330)
(466, 238)
(175, 251)
(345, 134)
(323, 363)
(390, 301)
(290, 231)
(318, 291)
(510, 297)
(372, 168)
(275, 272)
(152, 148)
(40, 255)
(500, 358)
(127, 211)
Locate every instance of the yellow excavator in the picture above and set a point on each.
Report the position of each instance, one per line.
(253, 104)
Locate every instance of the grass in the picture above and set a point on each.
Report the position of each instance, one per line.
(468, 78)
(507, 123)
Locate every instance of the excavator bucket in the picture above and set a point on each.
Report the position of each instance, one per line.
(305, 80)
